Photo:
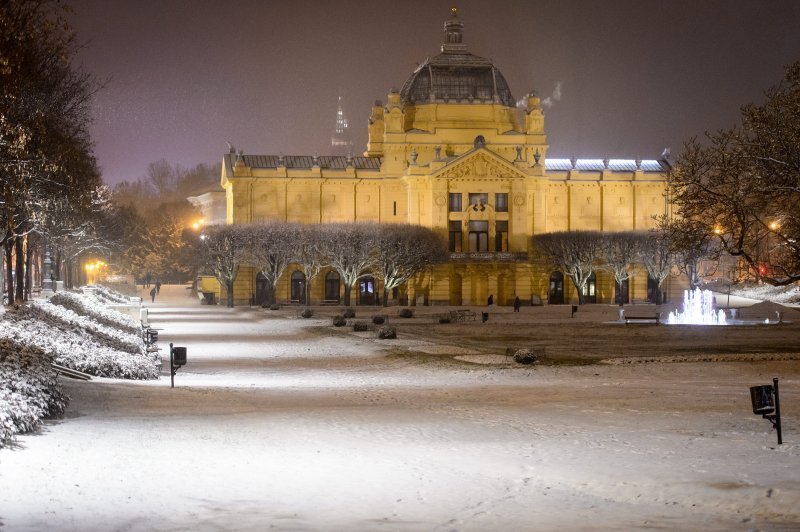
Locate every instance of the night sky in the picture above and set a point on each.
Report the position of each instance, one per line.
(183, 77)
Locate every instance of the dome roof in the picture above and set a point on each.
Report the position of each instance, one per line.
(456, 75)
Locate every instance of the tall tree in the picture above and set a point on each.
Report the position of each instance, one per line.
(621, 250)
(743, 184)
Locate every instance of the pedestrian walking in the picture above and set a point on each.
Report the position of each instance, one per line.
(516, 304)
(490, 301)
(153, 294)
(158, 287)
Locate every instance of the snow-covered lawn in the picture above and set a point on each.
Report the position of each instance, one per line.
(284, 423)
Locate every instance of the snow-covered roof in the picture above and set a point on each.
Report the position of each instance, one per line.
(598, 165)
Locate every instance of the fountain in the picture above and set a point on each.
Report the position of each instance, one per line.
(698, 309)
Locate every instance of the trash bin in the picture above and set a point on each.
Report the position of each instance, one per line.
(763, 399)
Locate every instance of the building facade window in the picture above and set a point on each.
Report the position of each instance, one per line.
(478, 198)
(501, 202)
(478, 236)
(454, 202)
(455, 236)
(298, 287)
(332, 287)
(555, 295)
(589, 291)
(501, 235)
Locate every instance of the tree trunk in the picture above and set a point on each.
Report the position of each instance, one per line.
(20, 260)
(347, 289)
(385, 296)
(229, 287)
(272, 290)
(9, 247)
(28, 269)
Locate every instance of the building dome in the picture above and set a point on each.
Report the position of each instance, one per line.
(456, 75)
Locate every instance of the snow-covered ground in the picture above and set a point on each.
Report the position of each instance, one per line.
(285, 423)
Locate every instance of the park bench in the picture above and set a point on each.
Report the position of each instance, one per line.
(656, 319)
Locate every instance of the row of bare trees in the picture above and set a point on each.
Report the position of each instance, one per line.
(50, 185)
(393, 252)
(669, 248)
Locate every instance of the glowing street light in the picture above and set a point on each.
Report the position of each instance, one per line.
(774, 226)
(198, 224)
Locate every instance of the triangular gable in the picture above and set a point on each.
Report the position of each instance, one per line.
(479, 163)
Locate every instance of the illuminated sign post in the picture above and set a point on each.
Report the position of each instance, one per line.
(766, 400)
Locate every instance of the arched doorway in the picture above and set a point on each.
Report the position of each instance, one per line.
(555, 295)
(455, 289)
(298, 288)
(622, 292)
(332, 287)
(366, 291)
(589, 292)
(263, 290)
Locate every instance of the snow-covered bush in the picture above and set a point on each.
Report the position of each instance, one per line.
(528, 355)
(64, 318)
(307, 313)
(349, 313)
(339, 321)
(405, 313)
(378, 320)
(77, 349)
(85, 307)
(387, 333)
(360, 326)
(29, 389)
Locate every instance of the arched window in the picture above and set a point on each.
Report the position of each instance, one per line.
(622, 292)
(299, 287)
(366, 291)
(556, 292)
(332, 287)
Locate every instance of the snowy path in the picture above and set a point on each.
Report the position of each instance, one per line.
(273, 425)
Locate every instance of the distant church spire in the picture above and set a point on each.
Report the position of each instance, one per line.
(340, 140)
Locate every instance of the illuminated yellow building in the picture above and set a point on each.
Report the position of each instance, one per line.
(451, 151)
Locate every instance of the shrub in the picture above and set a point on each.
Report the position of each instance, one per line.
(527, 356)
(307, 313)
(360, 326)
(405, 313)
(378, 320)
(274, 306)
(387, 333)
(339, 321)
(444, 320)
(349, 313)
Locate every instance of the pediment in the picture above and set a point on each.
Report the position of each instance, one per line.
(479, 164)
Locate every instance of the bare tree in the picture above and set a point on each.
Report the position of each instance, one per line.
(403, 251)
(225, 248)
(574, 252)
(743, 184)
(692, 245)
(309, 254)
(657, 254)
(350, 251)
(272, 248)
(621, 253)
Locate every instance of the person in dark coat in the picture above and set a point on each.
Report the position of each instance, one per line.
(516, 304)
(158, 287)
(153, 294)
(490, 301)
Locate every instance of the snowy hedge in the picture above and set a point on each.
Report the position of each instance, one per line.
(64, 318)
(85, 307)
(29, 388)
(105, 295)
(75, 348)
